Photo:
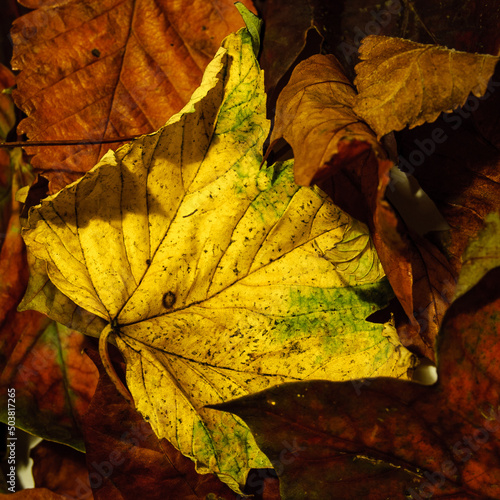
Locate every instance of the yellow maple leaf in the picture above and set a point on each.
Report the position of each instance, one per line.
(217, 278)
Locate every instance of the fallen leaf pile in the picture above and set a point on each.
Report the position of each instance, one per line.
(196, 314)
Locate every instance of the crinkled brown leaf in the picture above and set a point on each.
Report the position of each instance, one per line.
(403, 83)
(129, 460)
(60, 469)
(93, 69)
(314, 114)
(382, 438)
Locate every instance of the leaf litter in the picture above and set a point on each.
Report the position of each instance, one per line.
(218, 278)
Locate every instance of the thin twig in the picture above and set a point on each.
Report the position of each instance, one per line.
(22, 144)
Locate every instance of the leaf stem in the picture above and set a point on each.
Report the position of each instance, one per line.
(108, 365)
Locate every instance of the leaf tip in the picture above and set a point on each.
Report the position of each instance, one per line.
(253, 24)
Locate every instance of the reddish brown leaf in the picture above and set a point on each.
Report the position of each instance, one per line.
(60, 469)
(287, 24)
(384, 438)
(13, 269)
(7, 121)
(126, 460)
(93, 69)
(41, 360)
(403, 83)
(54, 382)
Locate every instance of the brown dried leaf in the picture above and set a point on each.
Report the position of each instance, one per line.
(404, 83)
(93, 69)
(286, 31)
(314, 114)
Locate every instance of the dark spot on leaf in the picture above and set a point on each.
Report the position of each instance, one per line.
(169, 300)
(148, 262)
(96, 53)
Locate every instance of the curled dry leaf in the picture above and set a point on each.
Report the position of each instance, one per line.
(403, 83)
(314, 114)
(381, 438)
(93, 69)
(218, 277)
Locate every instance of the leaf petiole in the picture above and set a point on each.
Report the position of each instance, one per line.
(108, 365)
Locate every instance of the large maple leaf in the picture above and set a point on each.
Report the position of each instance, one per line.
(397, 439)
(217, 278)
